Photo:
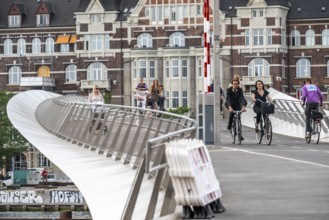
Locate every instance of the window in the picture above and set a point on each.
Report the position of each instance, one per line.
(95, 18)
(152, 69)
(49, 47)
(71, 73)
(173, 13)
(175, 99)
(310, 38)
(144, 68)
(153, 14)
(283, 37)
(198, 9)
(258, 67)
(269, 36)
(144, 40)
(295, 38)
(200, 68)
(325, 37)
(184, 98)
(14, 75)
(86, 42)
(107, 42)
(36, 46)
(21, 46)
(184, 68)
(96, 42)
(303, 68)
(261, 13)
(65, 48)
(177, 39)
(258, 37)
(328, 68)
(174, 68)
(43, 19)
(8, 47)
(96, 71)
(43, 161)
(177, 68)
(247, 37)
(283, 68)
(254, 13)
(20, 162)
(179, 13)
(14, 20)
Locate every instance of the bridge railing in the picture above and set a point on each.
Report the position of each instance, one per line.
(290, 117)
(132, 135)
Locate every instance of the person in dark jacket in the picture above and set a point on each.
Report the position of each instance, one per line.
(235, 100)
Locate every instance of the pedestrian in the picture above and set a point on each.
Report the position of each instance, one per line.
(141, 93)
(97, 99)
(155, 93)
(312, 96)
(44, 175)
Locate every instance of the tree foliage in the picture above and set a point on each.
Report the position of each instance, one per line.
(11, 141)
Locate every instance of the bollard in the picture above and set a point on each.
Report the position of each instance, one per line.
(65, 215)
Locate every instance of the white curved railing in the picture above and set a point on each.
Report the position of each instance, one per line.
(108, 167)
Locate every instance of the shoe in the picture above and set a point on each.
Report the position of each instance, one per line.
(229, 127)
(257, 127)
(308, 135)
(242, 138)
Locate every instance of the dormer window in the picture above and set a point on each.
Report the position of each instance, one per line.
(42, 19)
(14, 20)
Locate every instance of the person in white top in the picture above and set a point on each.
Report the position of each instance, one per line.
(96, 98)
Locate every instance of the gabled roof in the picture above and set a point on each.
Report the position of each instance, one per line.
(308, 9)
(63, 17)
(21, 8)
(268, 2)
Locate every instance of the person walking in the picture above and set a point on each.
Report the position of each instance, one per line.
(96, 98)
(141, 93)
(44, 175)
(262, 94)
(235, 101)
(155, 94)
(312, 96)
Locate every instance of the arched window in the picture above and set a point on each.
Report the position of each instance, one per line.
(43, 161)
(303, 68)
(50, 45)
(258, 67)
(325, 37)
(20, 162)
(36, 46)
(310, 38)
(295, 38)
(14, 75)
(177, 39)
(96, 71)
(21, 46)
(8, 47)
(144, 40)
(71, 73)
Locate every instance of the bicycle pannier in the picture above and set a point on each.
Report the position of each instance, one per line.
(267, 108)
(317, 115)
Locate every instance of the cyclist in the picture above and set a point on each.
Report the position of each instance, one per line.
(312, 96)
(235, 100)
(141, 93)
(262, 94)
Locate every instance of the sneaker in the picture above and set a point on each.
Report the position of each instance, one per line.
(229, 127)
(242, 138)
(257, 127)
(308, 134)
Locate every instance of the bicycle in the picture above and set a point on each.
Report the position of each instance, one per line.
(316, 127)
(236, 128)
(267, 108)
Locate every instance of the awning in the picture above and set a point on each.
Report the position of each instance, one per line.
(73, 39)
(63, 39)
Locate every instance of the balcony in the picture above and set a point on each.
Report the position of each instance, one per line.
(102, 84)
(250, 80)
(37, 82)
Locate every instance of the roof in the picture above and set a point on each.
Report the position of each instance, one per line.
(307, 9)
(62, 12)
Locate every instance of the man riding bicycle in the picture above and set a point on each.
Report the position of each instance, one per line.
(235, 101)
(312, 96)
(141, 93)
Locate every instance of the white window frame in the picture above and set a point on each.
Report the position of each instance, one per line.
(21, 46)
(65, 48)
(97, 42)
(177, 39)
(36, 46)
(184, 98)
(145, 40)
(50, 45)
(325, 37)
(14, 75)
(107, 42)
(247, 37)
(175, 99)
(303, 68)
(14, 20)
(42, 19)
(96, 71)
(295, 38)
(328, 70)
(144, 68)
(269, 36)
(8, 47)
(258, 36)
(43, 161)
(258, 67)
(309, 37)
(71, 73)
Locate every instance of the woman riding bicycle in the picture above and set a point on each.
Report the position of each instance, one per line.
(262, 94)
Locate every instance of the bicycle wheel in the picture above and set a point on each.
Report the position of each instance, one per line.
(316, 131)
(233, 133)
(259, 133)
(268, 132)
(239, 130)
